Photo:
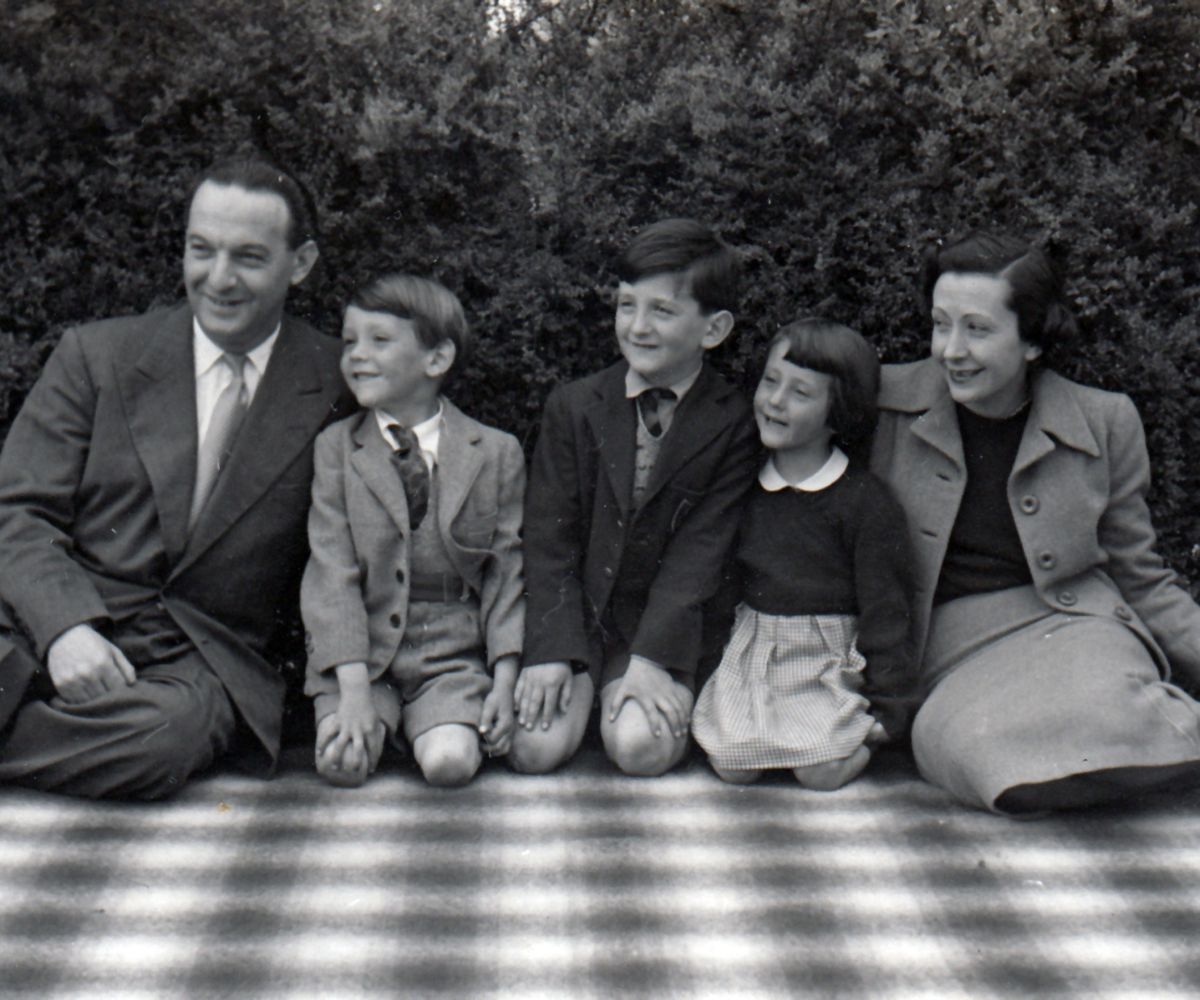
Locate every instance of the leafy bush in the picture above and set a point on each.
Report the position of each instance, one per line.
(511, 149)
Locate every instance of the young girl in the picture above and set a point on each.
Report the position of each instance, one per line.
(822, 567)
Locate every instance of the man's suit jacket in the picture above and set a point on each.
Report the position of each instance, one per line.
(356, 585)
(96, 480)
(1077, 493)
(588, 551)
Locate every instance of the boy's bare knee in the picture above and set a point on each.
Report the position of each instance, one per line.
(448, 755)
(634, 748)
(539, 751)
(343, 778)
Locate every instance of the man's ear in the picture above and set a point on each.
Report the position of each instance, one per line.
(305, 258)
(720, 325)
(440, 359)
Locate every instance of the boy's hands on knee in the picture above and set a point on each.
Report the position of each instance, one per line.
(542, 691)
(351, 739)
(496, 719)
(652, 687)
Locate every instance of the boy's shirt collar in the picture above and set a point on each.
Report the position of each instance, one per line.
(771, 479)
(636, 384)
(428, 433)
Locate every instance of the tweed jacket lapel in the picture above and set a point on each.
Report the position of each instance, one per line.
(372, 460)
(613, 424)
(458, 463)
(283, 419)
(158, 389)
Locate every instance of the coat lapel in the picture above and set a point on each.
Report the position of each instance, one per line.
(287, 411)
(159, 390)
(458, 463)
(1054, 415)
(372, 460)
(697, 419)
(925, 393)
(613, 425)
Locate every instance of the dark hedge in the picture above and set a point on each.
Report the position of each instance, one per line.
(510, 150)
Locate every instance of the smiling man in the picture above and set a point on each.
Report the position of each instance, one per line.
(153, 496)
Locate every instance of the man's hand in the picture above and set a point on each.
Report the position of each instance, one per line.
(648, 684)
(542, 690)
(83, 665)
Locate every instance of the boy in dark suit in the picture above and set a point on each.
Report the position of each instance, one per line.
(631, 508)
(412, 598)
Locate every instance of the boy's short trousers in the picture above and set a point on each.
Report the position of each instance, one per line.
(438, 676)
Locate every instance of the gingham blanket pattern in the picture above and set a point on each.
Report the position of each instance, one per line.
(589, 884)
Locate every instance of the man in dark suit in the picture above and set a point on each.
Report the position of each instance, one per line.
(153, 496)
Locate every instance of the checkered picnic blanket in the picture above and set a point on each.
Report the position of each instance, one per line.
(589, 884)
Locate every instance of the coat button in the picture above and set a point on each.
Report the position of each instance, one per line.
(608, 571)
(399, 576)
(1067, 598)
(395, 620)
(1123, 613)
(1029, 504)
(1046, 560)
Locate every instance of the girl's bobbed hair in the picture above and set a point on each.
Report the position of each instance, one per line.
(1043, 318)
(829, 347)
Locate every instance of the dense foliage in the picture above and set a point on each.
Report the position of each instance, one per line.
(510, 148)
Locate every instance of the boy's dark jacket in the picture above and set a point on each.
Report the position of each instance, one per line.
(586, 548)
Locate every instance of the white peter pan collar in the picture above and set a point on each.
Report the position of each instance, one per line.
(771, 480)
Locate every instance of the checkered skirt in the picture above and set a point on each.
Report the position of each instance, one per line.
(786, 693)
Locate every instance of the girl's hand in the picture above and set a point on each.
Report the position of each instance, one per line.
(648, 684)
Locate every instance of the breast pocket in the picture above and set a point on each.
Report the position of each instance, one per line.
(475, 531)
(681, 502)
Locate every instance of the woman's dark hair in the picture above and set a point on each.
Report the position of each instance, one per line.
(838, 351)
(1043, 319)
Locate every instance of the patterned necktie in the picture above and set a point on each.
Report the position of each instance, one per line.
(650, 406)
(414, 473)
(227, 417)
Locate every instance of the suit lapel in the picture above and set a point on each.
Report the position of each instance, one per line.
(458, 463)
(159, 391)
(613, 425)
(372, 460)
(287, 411)
(699, 417)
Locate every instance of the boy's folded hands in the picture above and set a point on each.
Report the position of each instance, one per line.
(496, 719)
(351, 738)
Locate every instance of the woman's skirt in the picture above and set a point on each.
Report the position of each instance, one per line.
(785, 694)
(1023, 695)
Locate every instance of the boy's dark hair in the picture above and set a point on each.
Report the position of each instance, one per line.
(838, 351)
(1043, 318)
(434, 310)
(710, 269)
(254, 174)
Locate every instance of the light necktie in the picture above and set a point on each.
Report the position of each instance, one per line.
(227, 417)
(414, 473)
(649, 403)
